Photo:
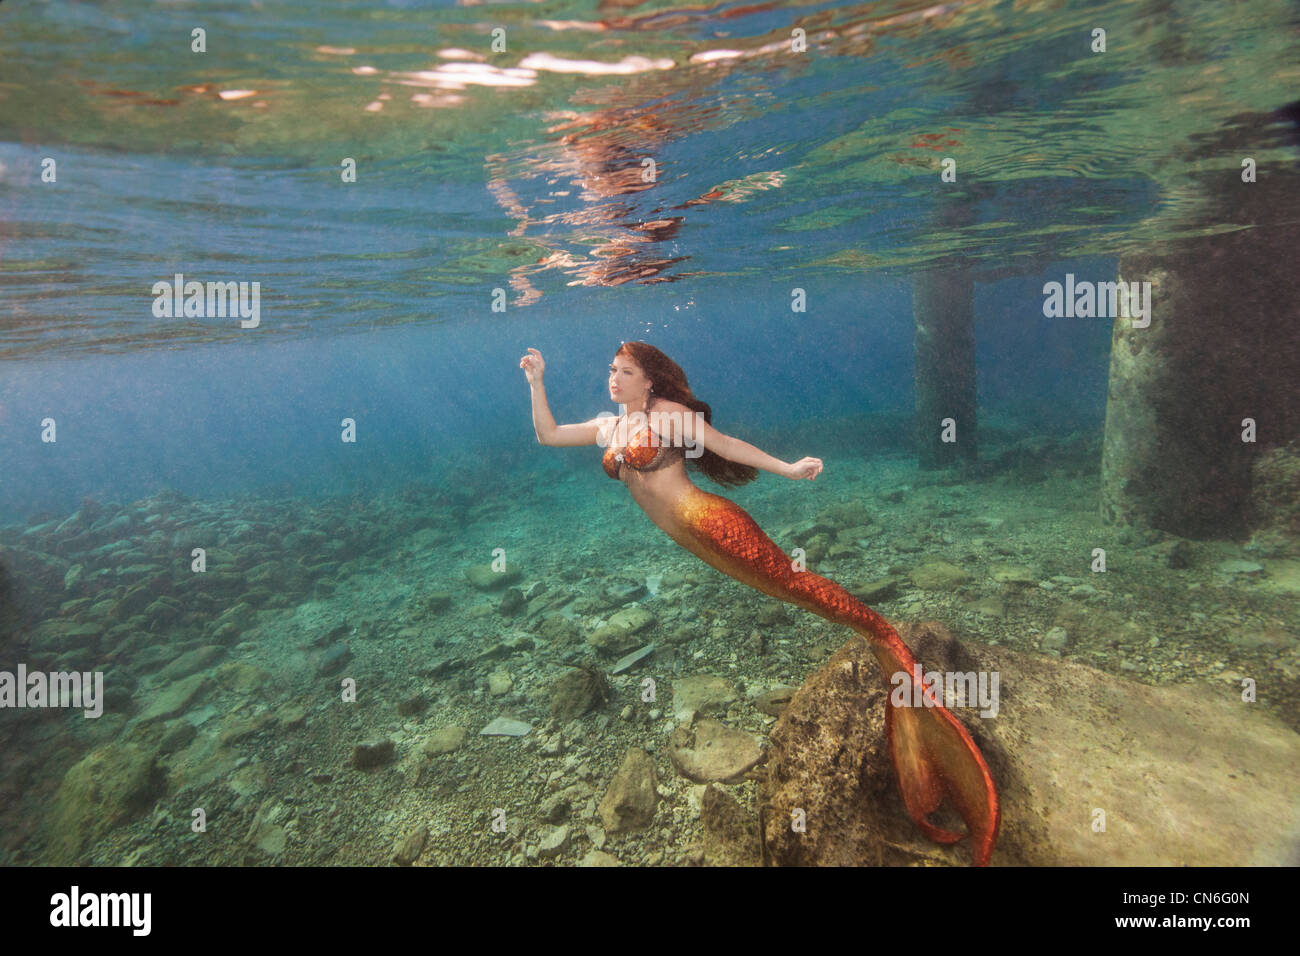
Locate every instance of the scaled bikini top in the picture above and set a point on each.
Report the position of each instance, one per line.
(645, 451)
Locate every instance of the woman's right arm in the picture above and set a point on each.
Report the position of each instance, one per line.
(549, 433)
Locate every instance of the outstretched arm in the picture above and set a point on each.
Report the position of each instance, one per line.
(549, 433)
(742, 452)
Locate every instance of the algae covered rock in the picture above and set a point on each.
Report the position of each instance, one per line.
(577, 692)
(619, 634)
(631, 798)
(484, 578)
(372, 754)
(938, 576)
(109, 787)
(444, 740)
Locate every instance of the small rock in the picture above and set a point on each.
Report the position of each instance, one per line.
(938, 576)
(512, 602)
(505, 727)
(444, 741)
(484, 578)
(709, 751)
(1014, 575)
(367, 756)
(553, 842)
(1239, 566)
(701, 694)
(773, 702)
(409, 850)
(554, 808)
(577, 692)
(334, 659)
(271, 839)
(599, 858)
(630, 800)
(415, 704)
(629, 660)
(618, 635)
(881, 589)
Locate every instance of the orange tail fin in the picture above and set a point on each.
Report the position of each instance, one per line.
(935, 757)
(933, 754)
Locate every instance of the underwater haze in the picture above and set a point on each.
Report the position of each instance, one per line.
(274, 500)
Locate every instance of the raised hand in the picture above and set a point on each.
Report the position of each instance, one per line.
(533, 365)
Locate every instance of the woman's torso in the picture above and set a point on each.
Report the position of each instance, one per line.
(653, 464)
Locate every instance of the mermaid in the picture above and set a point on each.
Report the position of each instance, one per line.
(933, 754)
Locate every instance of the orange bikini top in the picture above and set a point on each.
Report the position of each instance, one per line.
(645, 451)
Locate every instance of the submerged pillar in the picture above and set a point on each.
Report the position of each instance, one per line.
(944, 346)
(1199, 395)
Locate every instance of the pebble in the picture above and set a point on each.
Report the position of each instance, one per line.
(1238, 566)
(409, 850)
(553, 843)
(505, 727)
(632, 659)
(554, 808)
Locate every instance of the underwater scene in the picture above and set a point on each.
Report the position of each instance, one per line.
(943, 357)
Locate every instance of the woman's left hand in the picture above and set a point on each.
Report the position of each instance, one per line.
(808, 468)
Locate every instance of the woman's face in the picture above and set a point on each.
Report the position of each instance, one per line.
(627, 383)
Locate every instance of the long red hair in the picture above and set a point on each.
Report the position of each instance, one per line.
(669, 381)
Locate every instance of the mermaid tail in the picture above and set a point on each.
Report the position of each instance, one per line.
(933, 754)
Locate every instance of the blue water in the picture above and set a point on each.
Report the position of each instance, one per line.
(822, 168)
(265, 416)
(501, 202)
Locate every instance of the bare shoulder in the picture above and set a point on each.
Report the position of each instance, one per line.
(670, 407)
(669, 418)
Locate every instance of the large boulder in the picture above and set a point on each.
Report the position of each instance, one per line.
(108, 788)
(1180, 775)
